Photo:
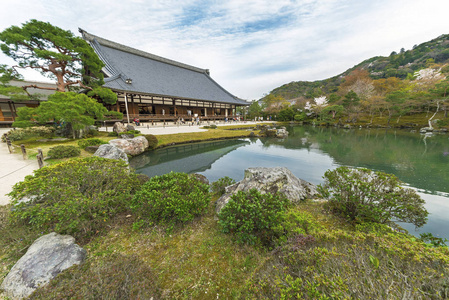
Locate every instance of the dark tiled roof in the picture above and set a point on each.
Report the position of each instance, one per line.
(155, 75)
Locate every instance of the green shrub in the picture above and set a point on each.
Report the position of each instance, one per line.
(131, 132)
(152, 140)
(254, 217)
(361, 195)
(218, 187)
(26, 133)
(112, 133)
(213, 126)
(90, 142)
(77, 196)
(172, 199)
(63, 151)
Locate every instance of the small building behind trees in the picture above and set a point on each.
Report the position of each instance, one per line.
(151, 87)
(8, 107)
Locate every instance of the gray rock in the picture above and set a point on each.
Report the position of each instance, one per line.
(270, 180)
(130, 127)
(127, 136)
(111, 152)
(425, 130)
(118, 127)
(201, 178)
(282, 133)
(48, 256)
(134, 146)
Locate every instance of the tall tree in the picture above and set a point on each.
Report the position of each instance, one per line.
(54, 52)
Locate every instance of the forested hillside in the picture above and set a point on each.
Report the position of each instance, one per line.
(396, 65)
(411, 82)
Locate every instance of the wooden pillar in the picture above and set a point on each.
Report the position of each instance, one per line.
(12, 111)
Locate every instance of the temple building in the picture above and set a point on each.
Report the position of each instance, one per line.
(151, 87)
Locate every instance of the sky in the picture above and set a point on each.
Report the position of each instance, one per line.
(250, 46)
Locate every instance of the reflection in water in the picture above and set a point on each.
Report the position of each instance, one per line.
(188, 158)
(420, 161)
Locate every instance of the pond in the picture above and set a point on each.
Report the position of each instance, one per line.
(421, 161)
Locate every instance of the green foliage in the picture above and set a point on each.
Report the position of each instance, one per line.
(172, 199)
(300, 117)
(361, 195)
(351, 99)
(253, 217)
(134, 132)
(12, 92)
(433, 240)
(26, 133)
(331, 112)
(113, 115)
(39, 44)
(254, 110)
(69, 107)
(90, 142)
(213, 126)
(104, 94)
(286, 114)
(152, 140)
(218, 187)
(62, 151)
(112, 133)
(75, 197)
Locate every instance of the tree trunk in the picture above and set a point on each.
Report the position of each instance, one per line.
(430, 120)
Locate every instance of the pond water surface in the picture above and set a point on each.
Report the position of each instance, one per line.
(422, 162)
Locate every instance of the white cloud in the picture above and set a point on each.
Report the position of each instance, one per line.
(254, 46)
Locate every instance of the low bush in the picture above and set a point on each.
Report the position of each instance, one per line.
(152, 141)
(131, 132)
(62, 151)
(90, 142)
(213, 126)
(254, 217)
(112, 133)
(76, 197)
(361, 195)
(219, 187)
(26, 133)
(172, 199)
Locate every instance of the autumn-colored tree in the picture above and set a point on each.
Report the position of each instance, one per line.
(274, 104)
(54, 52)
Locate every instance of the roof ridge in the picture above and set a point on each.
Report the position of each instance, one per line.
(90, 37)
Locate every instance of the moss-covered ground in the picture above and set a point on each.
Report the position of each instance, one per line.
(330, 259)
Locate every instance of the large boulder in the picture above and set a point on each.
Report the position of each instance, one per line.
(48, 256)
(270, 180)
(118, 127)
(111, 152)
(134, 146)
